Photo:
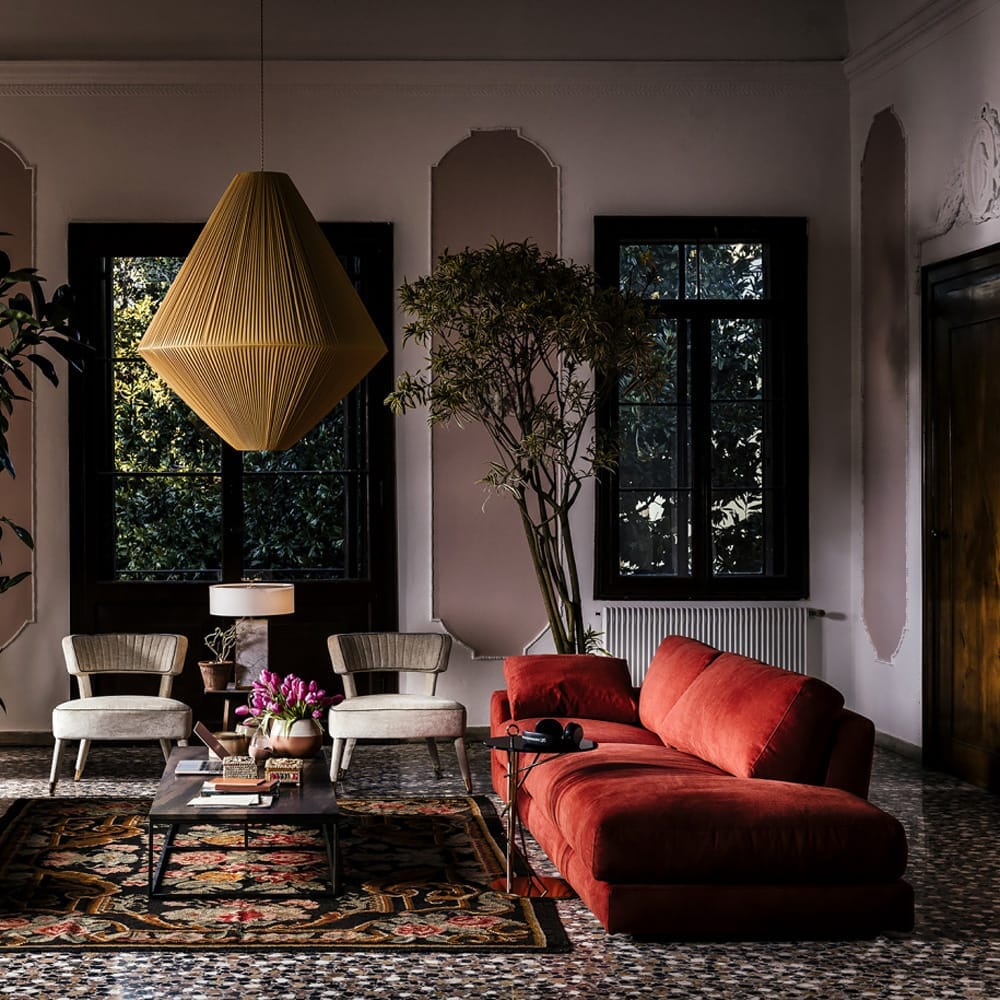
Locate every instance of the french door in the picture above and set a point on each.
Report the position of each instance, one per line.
(160, 507)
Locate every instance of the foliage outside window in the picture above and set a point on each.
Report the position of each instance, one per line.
(185, 507)
(709, 497)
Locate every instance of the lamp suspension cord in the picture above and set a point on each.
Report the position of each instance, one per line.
(260, 81)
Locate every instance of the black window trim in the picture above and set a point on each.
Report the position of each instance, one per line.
(787, 307)
(86, 244)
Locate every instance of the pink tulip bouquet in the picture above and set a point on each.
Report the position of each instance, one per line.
(287, 699)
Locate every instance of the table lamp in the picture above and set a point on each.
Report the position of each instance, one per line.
(251, 604)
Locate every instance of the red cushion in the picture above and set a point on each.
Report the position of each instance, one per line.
(676, 663)
(574, 686)
(642, 815)
(755, 721)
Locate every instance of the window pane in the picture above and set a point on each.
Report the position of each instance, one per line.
(653, 532)
(138, 285)
(737, 533)
(154, 431)
(725, 271)
(306, 539)
(649, 452)
(737, 441)
(737, 358)
(168, 527)
(650, 270)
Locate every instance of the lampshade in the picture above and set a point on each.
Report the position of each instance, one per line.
(251, 600)
(262, 332)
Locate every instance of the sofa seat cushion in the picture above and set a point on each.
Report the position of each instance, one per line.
(755, 720)
(598, 730)
(638, 815)
(570, 685)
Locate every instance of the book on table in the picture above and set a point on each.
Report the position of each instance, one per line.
(231, 801)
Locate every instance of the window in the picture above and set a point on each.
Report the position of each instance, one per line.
(709, 499)
(184, 506)
(161, 506)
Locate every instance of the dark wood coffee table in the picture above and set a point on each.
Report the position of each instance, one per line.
(311, 804)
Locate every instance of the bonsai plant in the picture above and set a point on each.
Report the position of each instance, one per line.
(215, 672)
(28, 322)
(530, 346)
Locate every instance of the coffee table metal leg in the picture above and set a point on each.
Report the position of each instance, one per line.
(332, 841)
(168, 839)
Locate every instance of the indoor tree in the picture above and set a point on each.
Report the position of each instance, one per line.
(530, 346)
(27, 322)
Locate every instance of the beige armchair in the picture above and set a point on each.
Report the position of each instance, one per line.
(119, 717)
(393, 716)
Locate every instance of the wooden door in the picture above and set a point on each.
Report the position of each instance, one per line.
(962, 517)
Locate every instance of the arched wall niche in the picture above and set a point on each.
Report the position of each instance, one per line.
(17, 495)
(884, 375)
(494, 184)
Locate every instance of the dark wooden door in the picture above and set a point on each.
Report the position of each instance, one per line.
(962, 517)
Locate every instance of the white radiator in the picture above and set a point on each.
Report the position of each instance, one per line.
(773, 634)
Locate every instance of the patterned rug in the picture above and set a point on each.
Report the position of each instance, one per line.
(416, 876)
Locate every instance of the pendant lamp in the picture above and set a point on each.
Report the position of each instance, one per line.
(262, 332)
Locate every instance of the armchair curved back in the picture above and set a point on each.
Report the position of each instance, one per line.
(392, 652)
(124, 653)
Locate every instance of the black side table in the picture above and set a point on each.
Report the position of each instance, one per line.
(514, 745)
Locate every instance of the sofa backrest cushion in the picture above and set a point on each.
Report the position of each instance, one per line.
(570, 685)
(755, 721)
(676, 663)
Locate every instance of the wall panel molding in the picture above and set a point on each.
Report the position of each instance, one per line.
(17, 495)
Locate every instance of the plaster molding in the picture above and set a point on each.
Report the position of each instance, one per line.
(930, 23)
(972, 190)
(29, 473)
(360, 80)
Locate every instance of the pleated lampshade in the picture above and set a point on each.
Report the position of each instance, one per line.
(262, 332)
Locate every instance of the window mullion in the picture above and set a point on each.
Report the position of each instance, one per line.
(232, 514)
(701, 443)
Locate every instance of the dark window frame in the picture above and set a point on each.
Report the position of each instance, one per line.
(99, 603)
(786, 372)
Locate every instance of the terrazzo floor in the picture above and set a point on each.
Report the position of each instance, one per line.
(954, 952)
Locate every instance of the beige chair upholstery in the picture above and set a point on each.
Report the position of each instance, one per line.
(393, 716)
(120, 717)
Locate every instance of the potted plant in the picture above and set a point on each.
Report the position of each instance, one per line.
(530, 346)
(28, 322)
(290, 710)
(216, 672)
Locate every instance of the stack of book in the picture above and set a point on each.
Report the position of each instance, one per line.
(229, 793)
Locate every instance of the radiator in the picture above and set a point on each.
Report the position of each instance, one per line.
(774, 634)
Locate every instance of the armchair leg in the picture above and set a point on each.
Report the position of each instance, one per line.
(463, 762)
(81, 759)
(57, 755)
(336, 756)
(348, 753)
(432, 749)
(165, 747)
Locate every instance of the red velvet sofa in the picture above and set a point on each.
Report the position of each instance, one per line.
(726, 798)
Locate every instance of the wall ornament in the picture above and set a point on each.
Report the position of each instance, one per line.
(972, 193)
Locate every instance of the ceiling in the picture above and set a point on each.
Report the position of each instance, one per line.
(424, 30)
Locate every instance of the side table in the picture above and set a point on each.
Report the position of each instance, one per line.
(514, 746)
(229, 694)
